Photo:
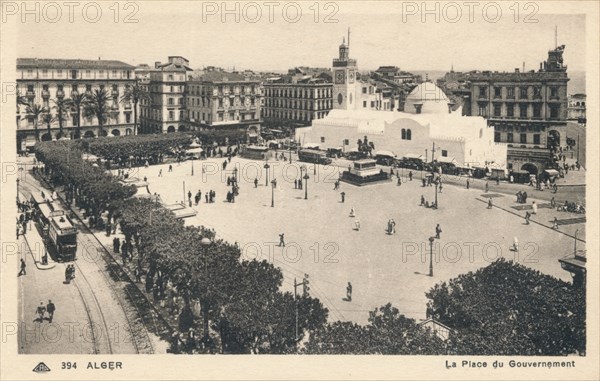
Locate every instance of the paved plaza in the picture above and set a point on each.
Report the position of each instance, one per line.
(321, 239)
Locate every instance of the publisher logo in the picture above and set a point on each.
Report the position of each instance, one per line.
(41, 368)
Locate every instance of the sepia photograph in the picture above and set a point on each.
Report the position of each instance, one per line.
(397, 185)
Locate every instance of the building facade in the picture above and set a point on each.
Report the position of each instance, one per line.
(576, 108)
(528, 110)
(165, 110)
(218, 99)
(43, 82)
(297, 100)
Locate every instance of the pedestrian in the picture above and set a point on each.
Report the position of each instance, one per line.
(438, 231)
(487, 187)
(23, 268)
(527, 216)
(440, 187)
(468, 183)
(410, 175)
(552, 203)
(41, 311)
(295, 184)
(534, 207)
(424, 182)
(349, 292)
(352, 213)
(206, 197)
(160, 173)
(343, 194)
(422, 201)
(490, 204)
(281, 240)
(498, 180)
(116, 244)
(393, 226)
(170, 167)
(399, 182)
(357, 224)
(555, 224)
(50, 307)
(138, 274)
(515, 244)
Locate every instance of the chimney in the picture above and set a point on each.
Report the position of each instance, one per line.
(156, 64)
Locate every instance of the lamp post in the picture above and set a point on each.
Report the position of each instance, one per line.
(306, 177)
(235, 173)
(18, 181)
(273, 193)
(436, 193)
(266, 167)
(192, 166)
(575, 243)
(290, 153)
(431, 239)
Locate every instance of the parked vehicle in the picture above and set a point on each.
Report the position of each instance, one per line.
(313, 156)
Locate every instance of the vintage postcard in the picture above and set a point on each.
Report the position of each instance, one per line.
(269, 190)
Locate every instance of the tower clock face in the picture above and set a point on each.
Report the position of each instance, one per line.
(339, 76)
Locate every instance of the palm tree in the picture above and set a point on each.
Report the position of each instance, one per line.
(134, 94)
(76, 104)
(36, 111)
(98, 106)
(48, 118)
(62, 108)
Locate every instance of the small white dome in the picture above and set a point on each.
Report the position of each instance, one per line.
(427, 97)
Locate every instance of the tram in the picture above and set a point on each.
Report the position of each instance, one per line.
(62, 235)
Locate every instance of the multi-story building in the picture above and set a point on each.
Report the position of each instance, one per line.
(44, 81)
(297, 99)
(528, 110)
(576, 108)
(223, 100)
(165, 110)
(394, 74)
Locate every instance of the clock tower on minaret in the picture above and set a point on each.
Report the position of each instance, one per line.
(344, 77)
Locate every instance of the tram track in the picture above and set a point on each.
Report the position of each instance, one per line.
(139, 311)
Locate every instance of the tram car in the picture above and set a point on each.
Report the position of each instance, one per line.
(61, 234)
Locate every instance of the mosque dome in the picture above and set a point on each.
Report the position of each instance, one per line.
(426, 98)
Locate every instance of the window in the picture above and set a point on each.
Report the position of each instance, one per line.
(444, 153)
(408, 134)
(73, 87)
(537, 111)
(482, 92)
(554, 92)
(322, 139)
(45, 87)
(403, 134)
(523, 138)
(59, 73)
(497, 136)
(170, 101)
(554, 111)
(510, 92)
(29, 87)
(364, 90)
(537, 92)
(536, 139)
(510, 110)
(372, 104)
(509, 137)
(114, 74)
(482, 110)
(88, 73)
(497, 110)
(171, 115)
(497, 92)
(523, 94)
(365, 104)
(170, 77)
(101, 73)
(45, 72)
(523, 111)
(115, 87)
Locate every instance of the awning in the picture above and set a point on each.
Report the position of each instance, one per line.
(448, 160)
(385, 153)
(311, 145)
(413, 156)
(552, 172)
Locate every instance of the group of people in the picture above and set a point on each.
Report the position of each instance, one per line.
(391, 227)
(69, 273)
(521, 197)
(41, 310)
(426, 203)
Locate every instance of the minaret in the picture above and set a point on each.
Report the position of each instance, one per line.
(344, 75)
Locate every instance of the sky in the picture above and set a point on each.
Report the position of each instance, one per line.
(382, 33)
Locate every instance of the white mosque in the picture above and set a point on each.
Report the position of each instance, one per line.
(428, 127)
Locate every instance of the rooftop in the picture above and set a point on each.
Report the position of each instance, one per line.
(51, 63)
(222, 76)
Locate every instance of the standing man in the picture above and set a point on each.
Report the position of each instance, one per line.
(468, 183)
(349, 292)
(487, 186)
(343, 194)
(527, 215)
(490, 204)
(256, 182)
(281, 240)
(410, 175)
(438, 230)
(23, 266)
(41, 311)
(50, 307)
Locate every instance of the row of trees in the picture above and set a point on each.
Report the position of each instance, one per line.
(95, 104)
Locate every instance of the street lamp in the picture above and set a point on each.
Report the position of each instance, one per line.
(235, 172)
(267, 166)
(273, 193)
(18, 181)
(575, 243)
(192, 166)
(436, 193)
(306, 186)
(431, 239)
